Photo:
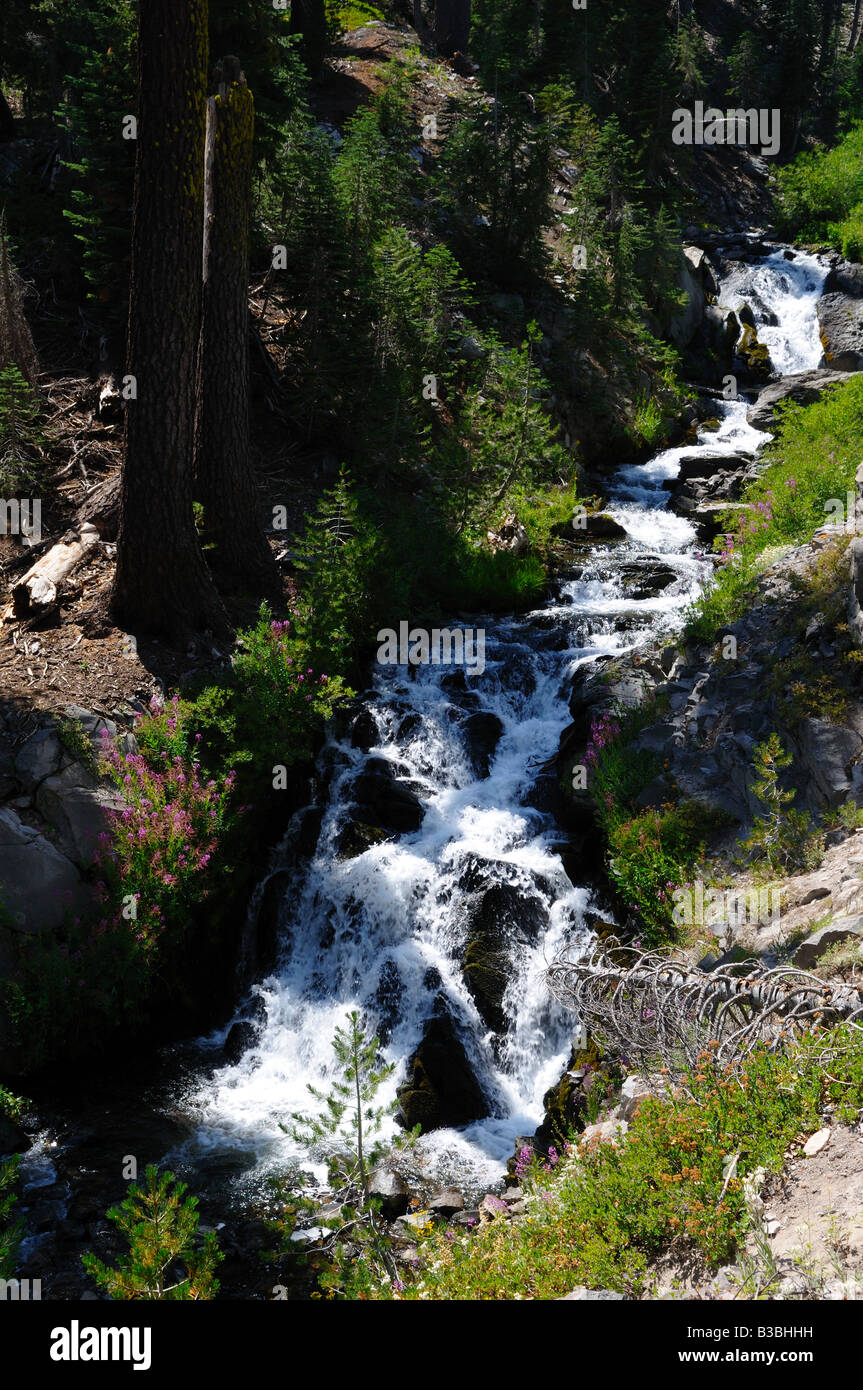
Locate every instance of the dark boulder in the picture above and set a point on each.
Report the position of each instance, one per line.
(504, 916)
(268, 925)
(364, 731)
(13, 1140)
(241, 1037)
(482, 732)
(441, 1090)
(385, 802)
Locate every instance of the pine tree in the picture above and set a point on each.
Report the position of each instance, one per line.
(781, 836)
(346, 1130)
(11, 1227)
(99, 91)
(160, 1224)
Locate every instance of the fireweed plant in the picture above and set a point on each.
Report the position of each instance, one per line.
(202, 765)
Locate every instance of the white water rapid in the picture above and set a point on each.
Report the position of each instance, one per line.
(383, 932)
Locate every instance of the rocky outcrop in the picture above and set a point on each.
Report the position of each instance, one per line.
(696, 279)
(502, 917)
(49, 833)
(441, 1089)
(840, 315)
(802, 387)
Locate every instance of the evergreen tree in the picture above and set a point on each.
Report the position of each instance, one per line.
(11, 1227)
(99, 93)
(165, 1259)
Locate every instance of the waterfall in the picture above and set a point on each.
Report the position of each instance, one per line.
(384, 931)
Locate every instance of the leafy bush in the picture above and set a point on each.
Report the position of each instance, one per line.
(821, 194)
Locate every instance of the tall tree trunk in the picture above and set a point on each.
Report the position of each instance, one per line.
(7, 120)
(452, 26)
(309, 20)
(855, 20)
(162, 583)
(225, 481)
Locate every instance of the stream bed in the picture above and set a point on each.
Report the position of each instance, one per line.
(383, 928)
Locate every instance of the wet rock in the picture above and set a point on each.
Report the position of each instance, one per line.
(13, 1139)
(846, 277)
(441, 1090)
(268, 926)
(391, 1190)
(356, 836)
(600, 527)
(802, 387)
(306, 829)
(705, 463)
(722, 328)
(503, 916)
(364, 731)
(564, 1105)
(447, 1203)
(482, 732)
(384, 802)
(841, 321)
(387, 999)
(241, 1037)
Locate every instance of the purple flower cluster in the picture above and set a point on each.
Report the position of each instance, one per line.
(604, 729)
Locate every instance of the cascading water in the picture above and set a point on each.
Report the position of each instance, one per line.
(384, 932)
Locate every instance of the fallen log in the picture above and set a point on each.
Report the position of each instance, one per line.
(38, 590)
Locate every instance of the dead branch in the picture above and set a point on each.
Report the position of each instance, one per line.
(649, 1007)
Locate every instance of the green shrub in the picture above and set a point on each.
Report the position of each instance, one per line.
(166, 1258)
(601, 1220)
(821, 193)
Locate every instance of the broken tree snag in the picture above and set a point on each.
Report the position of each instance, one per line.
(224, 479)
(39, 588)
(101, 507)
